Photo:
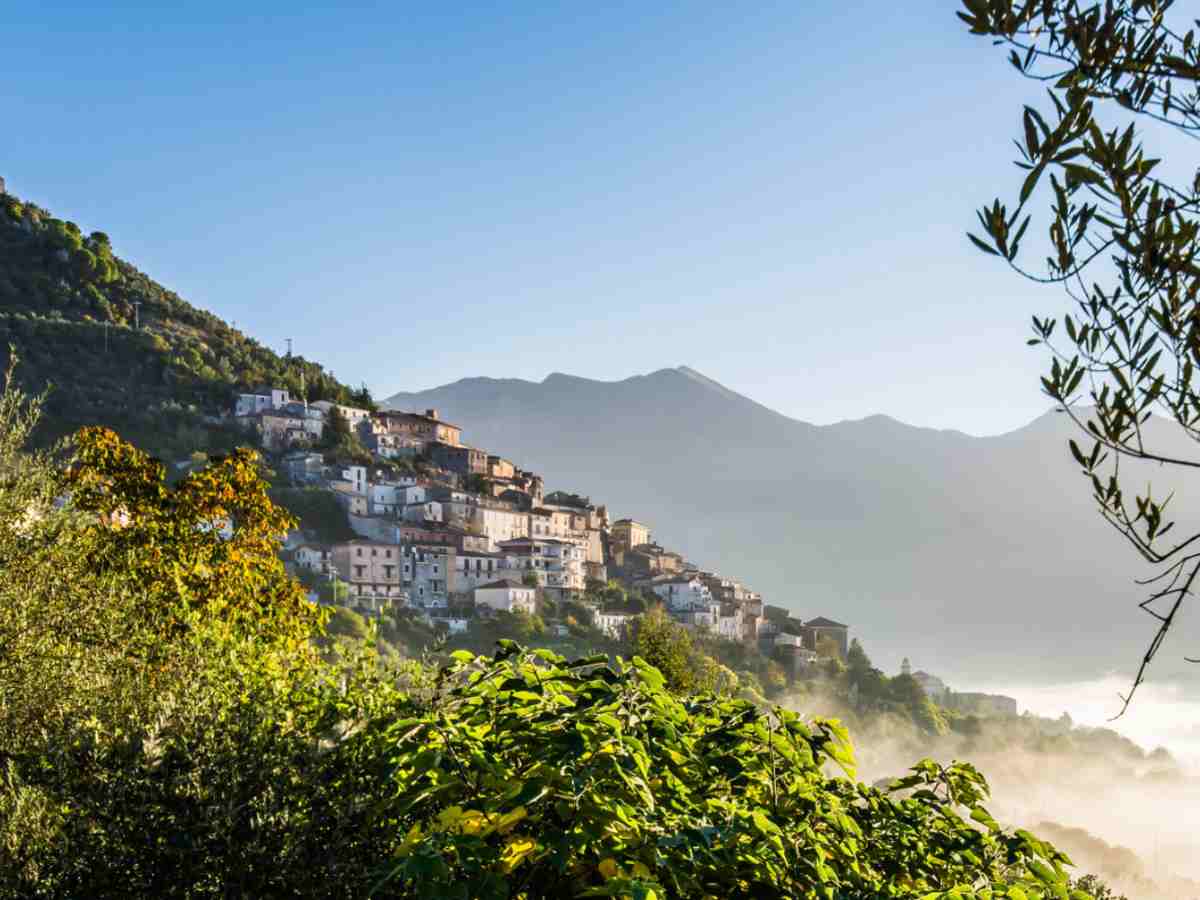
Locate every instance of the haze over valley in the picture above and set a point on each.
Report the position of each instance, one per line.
(981, 558)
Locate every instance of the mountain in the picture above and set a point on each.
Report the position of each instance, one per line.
(979, 558)
(120, 349)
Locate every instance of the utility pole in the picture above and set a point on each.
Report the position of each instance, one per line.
(137, 315)
(106, 336)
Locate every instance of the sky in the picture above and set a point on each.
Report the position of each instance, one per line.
(774, 194)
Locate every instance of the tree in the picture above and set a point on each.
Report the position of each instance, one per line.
(1097, 888)
(204, 547)
(857, 660)
(336, 430)
(1123, 242)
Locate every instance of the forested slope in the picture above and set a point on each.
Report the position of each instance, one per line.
(70, 308)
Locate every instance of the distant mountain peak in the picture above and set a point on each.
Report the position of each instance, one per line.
(707, 382)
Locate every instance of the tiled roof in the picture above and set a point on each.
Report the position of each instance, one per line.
(822, 622)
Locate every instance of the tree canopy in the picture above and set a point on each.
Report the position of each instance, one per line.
(1122, 240)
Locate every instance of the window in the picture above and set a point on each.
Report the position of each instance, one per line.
(359, 551)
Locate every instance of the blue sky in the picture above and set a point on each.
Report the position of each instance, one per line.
(774, 196)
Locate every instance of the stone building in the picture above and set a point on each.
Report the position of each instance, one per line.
(627, 534)
(821, 627)
(373, 571)
(420, 430)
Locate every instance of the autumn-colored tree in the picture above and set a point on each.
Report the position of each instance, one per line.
(205, 546)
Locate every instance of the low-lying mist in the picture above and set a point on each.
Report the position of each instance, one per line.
(1127, 814)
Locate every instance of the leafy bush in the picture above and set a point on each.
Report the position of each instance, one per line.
(533, 776)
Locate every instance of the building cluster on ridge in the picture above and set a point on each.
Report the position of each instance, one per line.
(459, 533)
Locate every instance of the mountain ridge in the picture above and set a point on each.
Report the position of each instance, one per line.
(925, 539)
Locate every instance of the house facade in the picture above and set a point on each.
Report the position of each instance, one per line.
(373, 570)
(420, 430)
(627, 534)
(683, 593)
(427, 572)
(459, 459)
(837, 632)
(506, 595)
(555, 565)
(314, 558)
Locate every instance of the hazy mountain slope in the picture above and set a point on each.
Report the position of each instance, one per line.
(974, 556)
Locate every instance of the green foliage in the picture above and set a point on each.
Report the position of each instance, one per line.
(347, 623)
(340, 442)
(669, 647)
(318, 512)
(535, 776)
(613, 597)
(1122, 239)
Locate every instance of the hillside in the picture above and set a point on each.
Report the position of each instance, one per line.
(982, 559)
(70, 307)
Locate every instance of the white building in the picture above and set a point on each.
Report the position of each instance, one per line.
(612, 624)
(452, 624)
(252, 404)
(354, 416)
(426, 573)
(506, 595)
(555, 564)
(314, 558)
(357, 477)
(730, 623)
(385, 499)
(475, 568)
(684, 593)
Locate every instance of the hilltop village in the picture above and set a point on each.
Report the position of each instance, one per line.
(457, 535)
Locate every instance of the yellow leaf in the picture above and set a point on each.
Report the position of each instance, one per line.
(608, 868)
(474, 822)
(510, 819)
(410, 840)
(515, 852)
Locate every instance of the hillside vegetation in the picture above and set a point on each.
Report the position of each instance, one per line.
(69, 307)
(170, 730)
